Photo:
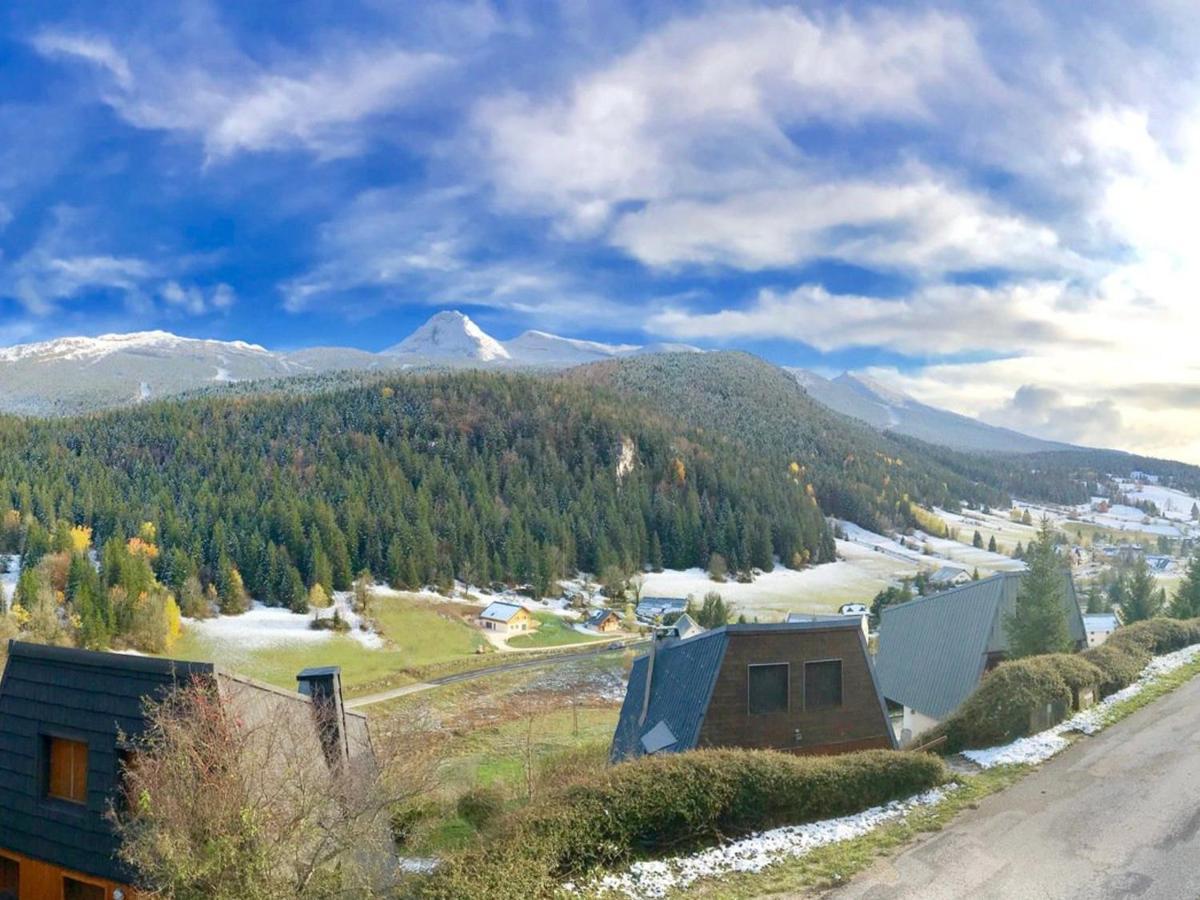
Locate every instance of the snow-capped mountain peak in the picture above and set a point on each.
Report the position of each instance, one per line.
(82, 349)
(542, 347)
(451, 335)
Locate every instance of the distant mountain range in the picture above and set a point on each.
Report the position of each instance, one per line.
(885, 409)
(81, 374)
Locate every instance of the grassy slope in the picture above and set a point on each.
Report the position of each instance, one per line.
(417, 636)
(552, 631)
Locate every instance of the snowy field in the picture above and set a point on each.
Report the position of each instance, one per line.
(857, 577)
(661, 878)
(967, 557)
(265, 626)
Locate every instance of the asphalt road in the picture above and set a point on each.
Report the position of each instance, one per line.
(556, 659)
(1116, 815)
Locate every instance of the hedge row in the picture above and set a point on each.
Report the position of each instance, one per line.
(1000, 708)
(669, 804)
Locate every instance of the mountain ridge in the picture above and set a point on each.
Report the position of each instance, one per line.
(73, 375)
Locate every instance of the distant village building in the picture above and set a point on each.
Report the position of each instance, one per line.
(1159, 563)
(934, 650)
(806, 687)
(67, 720)
(604, 620)
(684, 627)
(948, 577)
(651, 608)
(507, 618)
(1099, 626)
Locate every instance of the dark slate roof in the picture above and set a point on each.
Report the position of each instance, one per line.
(81, 695)
(932, 650)
(598, 617)
(685, 672)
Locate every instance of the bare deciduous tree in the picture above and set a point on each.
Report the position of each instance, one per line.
(232, 793)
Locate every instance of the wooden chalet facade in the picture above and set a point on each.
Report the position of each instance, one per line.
(69, 717)
(805, 687)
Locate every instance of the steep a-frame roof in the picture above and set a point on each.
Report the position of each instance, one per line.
(96, 698)
(80, 695)
(681, 686)
(682, 682)
(933, 650)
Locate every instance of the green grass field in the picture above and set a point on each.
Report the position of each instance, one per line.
(553, 631)
(417, 636)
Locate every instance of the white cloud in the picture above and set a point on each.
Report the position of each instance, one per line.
(918, 225)
(1044, 412)
(96, 50)
(388, 248)
(69, 262)
(939, 320)
(194, 300)
(234, 104)
(702, 107)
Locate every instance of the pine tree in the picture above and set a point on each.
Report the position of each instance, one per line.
(977, 541)
(1096, 603)
(714, 612)
(992, 544)
(1186, 603)
(1039, 623)
(1142, 598)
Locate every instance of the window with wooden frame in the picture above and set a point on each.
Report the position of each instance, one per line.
(66, 770)
(767, 688)
(823, 684)
(10, 878)
(74, 889)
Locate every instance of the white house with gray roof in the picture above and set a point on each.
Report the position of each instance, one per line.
(507, 618)
(934, 650)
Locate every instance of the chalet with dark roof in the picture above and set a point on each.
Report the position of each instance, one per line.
(934, 650)
(805, 687)
(67, 720)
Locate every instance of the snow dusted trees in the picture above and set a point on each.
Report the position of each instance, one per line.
(1039, 624)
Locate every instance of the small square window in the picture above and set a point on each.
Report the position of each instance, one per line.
(823, 684)
(66, 770)
(10, 879)
(768, 688)
(74, 889)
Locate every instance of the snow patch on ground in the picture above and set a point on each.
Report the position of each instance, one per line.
(8, 580)
(658, 878)
(1041, 746)
(264, 626)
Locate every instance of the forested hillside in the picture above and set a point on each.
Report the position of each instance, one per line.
(857, 473)
(483, 477)
(870, 477)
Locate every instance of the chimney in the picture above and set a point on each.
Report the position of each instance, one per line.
(324, 686)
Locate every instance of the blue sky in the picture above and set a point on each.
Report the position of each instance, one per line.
(987, 205)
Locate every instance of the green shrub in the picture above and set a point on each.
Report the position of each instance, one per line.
(999, 709)
(666, 804)
(1076, 671)
(480, 806)
(1157, 636)
(1121, 666)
